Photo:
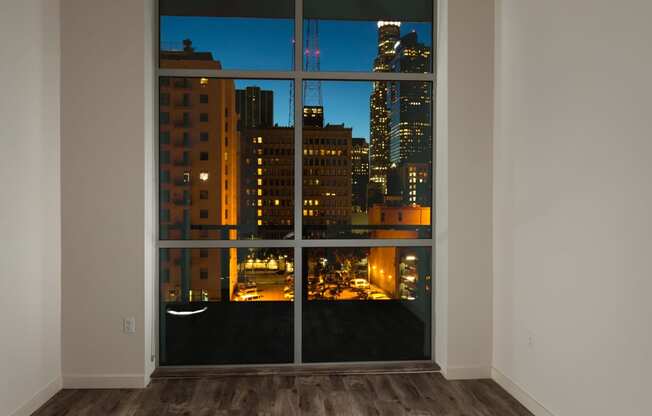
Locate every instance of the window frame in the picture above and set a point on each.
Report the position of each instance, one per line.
(298, 75)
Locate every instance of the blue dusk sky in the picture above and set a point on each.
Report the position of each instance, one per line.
(266, 44)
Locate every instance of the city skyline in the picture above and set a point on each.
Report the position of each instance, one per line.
(344, 101)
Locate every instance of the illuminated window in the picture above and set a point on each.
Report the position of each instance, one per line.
(203, 176)
(260, 182)
(203, 82)
(260, 212)
(260, 171)
(260, 222)
(260, 192)
(277, 202)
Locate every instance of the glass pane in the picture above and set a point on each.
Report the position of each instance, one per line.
(366, 304)
(367, 159)
(368, 35)
(243, 34)
(226, 306)
(226, 159)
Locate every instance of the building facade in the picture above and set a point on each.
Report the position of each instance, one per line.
(388, 34)
(410, 104)
(359, 174)
(198, 145)
(255, 107)
(267, 182)
(326, 180)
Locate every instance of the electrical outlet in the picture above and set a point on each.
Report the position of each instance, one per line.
(129, 325)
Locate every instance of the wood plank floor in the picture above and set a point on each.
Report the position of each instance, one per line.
(374, 394)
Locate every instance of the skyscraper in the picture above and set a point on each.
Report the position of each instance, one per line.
(410, 105)
(388, 35)
(255, 106)
(359, 174)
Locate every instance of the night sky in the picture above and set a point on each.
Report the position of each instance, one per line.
(266, 44)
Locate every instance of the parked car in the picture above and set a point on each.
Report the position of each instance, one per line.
(248, 296)
(359, 283)
(378, 296)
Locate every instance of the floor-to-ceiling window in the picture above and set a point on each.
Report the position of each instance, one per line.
(295, 181)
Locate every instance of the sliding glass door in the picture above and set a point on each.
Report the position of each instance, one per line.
(295, 158)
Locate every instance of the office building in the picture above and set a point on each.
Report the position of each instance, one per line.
(359, 174)
(255, 107)
(388, 35)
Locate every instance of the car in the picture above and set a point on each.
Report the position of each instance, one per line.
(248, 296)
(359, 283)
(378, 296)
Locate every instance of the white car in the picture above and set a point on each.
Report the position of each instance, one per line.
(359, 283)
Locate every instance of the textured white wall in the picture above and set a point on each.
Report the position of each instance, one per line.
(573, 232)
(106, 186)
(30, 247)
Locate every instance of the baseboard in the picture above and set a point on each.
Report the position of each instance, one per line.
(519, 394)
(39, 399)
(104, 381)
(466, 373)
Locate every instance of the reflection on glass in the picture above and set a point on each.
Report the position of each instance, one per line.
(226, 306)
(366, 304)
(226, 158)
(379, 37)
(243, 34)
(367, 159)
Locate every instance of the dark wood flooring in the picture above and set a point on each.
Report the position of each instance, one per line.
(372, 394)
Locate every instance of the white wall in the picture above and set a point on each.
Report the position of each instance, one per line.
(573, 204)
(30, 268)
(106, 191)
(464, 189)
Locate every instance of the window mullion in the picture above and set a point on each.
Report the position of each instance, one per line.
(298, 181)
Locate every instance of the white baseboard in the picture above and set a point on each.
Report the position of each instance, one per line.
(519, 394)
(104, 381)
(39, 399)
(466, 373)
